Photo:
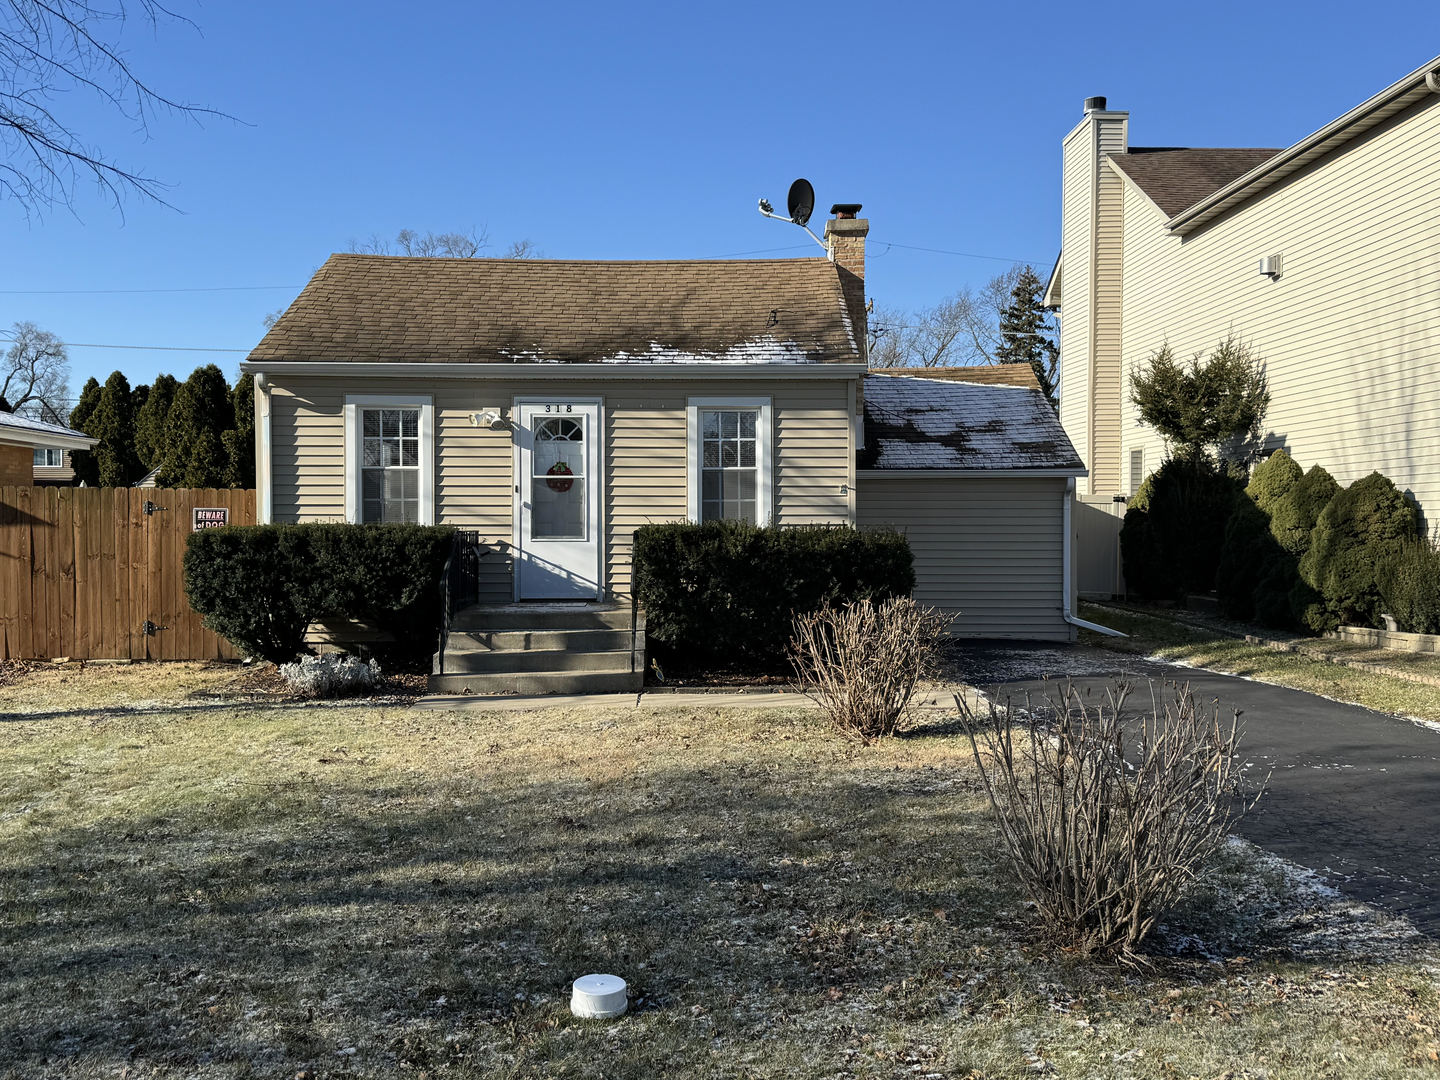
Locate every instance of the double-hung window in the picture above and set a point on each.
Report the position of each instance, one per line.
(390, 465)
(730, 459)
(388, 459)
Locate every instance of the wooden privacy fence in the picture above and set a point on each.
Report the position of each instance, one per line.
(96, 573)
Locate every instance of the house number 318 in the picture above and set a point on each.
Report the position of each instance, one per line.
(559, 408)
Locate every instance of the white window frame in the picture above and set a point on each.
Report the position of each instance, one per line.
(355, 404)
(47, 451)
(764, 451)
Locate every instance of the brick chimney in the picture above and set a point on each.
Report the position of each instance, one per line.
(845, 237)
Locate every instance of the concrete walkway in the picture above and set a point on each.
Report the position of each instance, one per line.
(765, 699)
(1353, 793)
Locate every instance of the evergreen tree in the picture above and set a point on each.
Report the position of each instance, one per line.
(239, 441)
(113, 423)
(83, 461)
(1027, 335)
(138, 397)
(1216, 402)
(150, 420)
(193, 454)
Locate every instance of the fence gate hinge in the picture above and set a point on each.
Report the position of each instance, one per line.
(149, 627)
(150, 508)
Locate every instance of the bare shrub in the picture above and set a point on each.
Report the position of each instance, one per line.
(1106, 816)
(330, 675)
(860, 662)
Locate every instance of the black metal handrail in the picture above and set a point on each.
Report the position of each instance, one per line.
(460, 580)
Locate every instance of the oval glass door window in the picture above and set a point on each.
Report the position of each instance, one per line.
(558, 484)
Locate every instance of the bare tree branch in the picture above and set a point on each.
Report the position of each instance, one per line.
(959, 332)
(49, 49)
(36, 374)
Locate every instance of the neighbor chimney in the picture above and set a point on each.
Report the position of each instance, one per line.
(845, 237)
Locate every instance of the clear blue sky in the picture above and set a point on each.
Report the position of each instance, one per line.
(643, 131)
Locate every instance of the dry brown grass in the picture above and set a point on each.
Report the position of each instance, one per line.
(208, 889)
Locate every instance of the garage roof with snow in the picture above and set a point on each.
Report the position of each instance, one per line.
(913, 422)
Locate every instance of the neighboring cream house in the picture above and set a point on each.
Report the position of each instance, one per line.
(554, 407)
(1323, 256)
(35, 452)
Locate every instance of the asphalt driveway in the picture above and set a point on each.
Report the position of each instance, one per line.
(1353, 794)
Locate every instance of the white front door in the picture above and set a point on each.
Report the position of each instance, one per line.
(558, 491)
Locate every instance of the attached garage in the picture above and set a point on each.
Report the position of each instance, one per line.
(978, 476)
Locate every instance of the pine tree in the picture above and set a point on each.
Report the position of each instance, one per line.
(193, 454)
(1027, 335)
(113, 423)
(83, 461)
(150, 420)
(1217, 401)
(239, 441)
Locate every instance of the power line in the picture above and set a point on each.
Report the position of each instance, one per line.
(97, 292)
(159, 349)
(962, 254)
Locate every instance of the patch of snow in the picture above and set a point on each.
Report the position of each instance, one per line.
(761, 350)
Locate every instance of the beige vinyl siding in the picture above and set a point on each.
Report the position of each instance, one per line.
(989, 548)
(1350, 332)
(307, 465)
(1076, 217)
(1104, 460)
(646, 458)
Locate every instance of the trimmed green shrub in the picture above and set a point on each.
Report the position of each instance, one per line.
(1272, 479)
(1359, 534)
(727, 592)
(259, 586)
(1245, 557)
(1293, 517)
(1412, 588)
(1171, 540)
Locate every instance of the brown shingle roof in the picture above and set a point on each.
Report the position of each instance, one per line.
(1176, 178)
(918, 422)
(391, 309)
(1002, 374)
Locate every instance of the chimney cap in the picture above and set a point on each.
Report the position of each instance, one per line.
(1094, 104)
(845, 209)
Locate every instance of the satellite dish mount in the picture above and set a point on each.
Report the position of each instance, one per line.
(801, 204)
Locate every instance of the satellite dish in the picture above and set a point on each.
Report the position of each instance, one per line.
(801, 201)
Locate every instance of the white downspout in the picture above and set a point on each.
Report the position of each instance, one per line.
(264, 483)
(1071, 617)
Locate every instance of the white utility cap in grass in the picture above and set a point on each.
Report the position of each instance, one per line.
(598, 997)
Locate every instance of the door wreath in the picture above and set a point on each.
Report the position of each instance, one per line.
(559, 477)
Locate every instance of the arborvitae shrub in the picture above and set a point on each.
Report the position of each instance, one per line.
(1358, 536)
(1272, 479)
(259, 586)
(1175, 548)
(727, 593)
(1412, 588)
(1293, 516)
(1247, 552)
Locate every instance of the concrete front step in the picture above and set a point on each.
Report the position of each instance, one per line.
(524, 640)
(540, 682)
(489, 618)
(475, 660)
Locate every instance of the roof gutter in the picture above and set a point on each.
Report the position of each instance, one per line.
(1413, 87)
(561, 370)
(45, 439)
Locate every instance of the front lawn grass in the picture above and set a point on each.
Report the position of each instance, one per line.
(200, 888)
(1157, 635)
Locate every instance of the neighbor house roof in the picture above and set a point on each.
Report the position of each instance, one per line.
(390, 309)
(1005, 374)
(1421, 85)
(1176, 178)
(922, 422)
(24, 431)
